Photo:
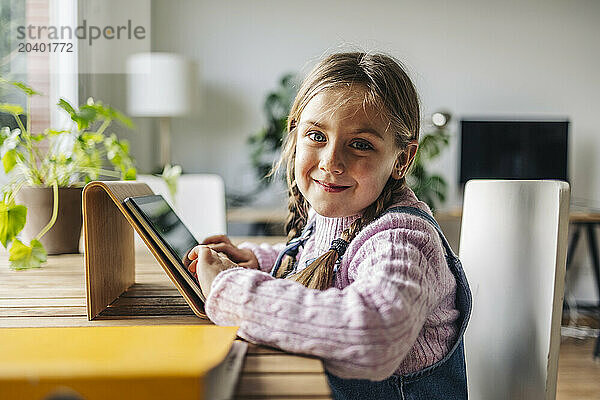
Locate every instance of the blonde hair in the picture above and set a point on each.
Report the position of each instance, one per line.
(386, 87)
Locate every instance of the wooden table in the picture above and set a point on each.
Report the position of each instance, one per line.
(54, 295)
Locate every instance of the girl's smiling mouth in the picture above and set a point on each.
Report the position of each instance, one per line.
(330, 187)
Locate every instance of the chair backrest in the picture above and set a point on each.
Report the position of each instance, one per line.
(513, 249)
(199, 201)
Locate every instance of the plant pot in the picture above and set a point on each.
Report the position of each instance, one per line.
(64, 236)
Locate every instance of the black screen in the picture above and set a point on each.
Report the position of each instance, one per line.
(164, 220)
(513, 150)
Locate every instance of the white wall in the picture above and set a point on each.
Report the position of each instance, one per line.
(474, 58)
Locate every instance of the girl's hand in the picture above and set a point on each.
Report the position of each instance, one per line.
(242, 257)
(206, 265)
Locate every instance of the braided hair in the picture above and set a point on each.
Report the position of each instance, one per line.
(387, 88)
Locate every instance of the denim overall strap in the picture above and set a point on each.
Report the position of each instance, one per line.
(446, 379)
(292, 247)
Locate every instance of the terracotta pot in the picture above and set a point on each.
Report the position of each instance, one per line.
(64, 236)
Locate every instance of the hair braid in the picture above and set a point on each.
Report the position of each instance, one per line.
(295, 223)
(298, 213)
(297, 205)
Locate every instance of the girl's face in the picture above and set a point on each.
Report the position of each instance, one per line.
(344, 154)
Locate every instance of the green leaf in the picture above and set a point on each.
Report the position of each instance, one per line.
(91, 138)
(432, 144)
(10, 141)
(117, 152)
(130, 174)
(12, 221)
(84, 117)
(62, 103)
(13, 109)
(4, 134)
(107, 112)
(9, 160)
(123, 119)
(52, 132)
(26, 89)
(22, 256)
(438, 181)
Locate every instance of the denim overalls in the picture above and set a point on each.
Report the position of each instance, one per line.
(446, 379)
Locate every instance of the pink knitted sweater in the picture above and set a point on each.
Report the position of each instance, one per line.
(391, 311)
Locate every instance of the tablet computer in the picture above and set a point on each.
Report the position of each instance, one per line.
(168, 233)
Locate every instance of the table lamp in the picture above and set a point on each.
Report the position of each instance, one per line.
(160, 85)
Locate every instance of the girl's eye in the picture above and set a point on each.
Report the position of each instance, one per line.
(361, 145)
(316, 136)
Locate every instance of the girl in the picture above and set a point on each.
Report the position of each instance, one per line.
(372, 286)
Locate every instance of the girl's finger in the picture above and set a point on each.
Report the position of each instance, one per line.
(226, 248)
(246, 265)
(234, 254)
(192, 266)
(205, 254)
(216, 239)
(186, 259)
(193, 253)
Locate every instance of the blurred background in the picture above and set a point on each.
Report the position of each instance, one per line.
(510, 60)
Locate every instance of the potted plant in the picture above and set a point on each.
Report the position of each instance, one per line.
(265, 145)
(430, 187)
(47, 180)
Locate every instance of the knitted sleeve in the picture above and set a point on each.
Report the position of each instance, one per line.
(363, 331)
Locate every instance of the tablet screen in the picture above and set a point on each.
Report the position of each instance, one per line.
(166, 223)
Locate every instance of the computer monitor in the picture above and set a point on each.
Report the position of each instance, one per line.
(513, 149)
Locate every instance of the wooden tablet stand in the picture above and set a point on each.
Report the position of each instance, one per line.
(110, 247)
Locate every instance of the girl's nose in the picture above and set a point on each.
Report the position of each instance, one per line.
(331, 161)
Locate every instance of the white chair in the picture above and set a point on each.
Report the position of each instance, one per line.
(199, 201)
(513, 248)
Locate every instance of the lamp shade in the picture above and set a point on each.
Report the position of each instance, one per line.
(159, 85)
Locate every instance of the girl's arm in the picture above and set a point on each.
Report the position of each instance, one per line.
(363, 331)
